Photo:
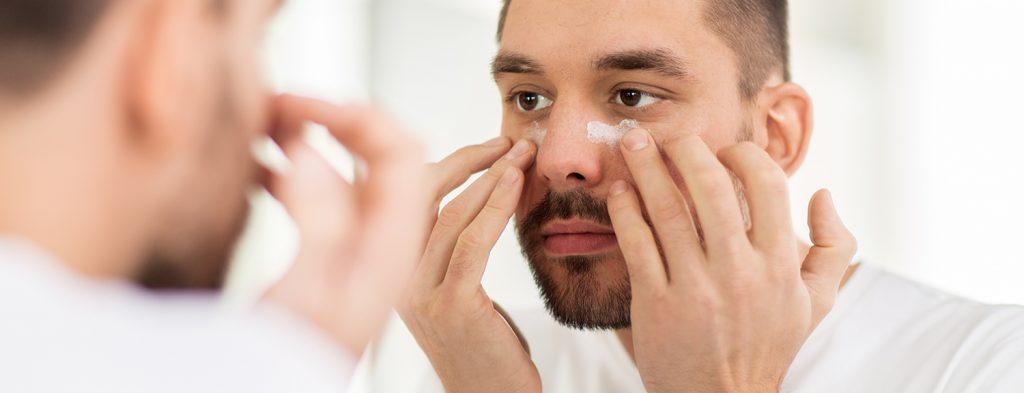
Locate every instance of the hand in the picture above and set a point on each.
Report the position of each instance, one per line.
(471, 345)
(730, 313)
(358, 243)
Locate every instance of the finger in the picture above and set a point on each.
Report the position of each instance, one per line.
(285, 125)
(669, 212)
(711, 189)
(318, 199)
(460, 212)
(388, 152)
(833, 249)
(391, 199)
(646, 270)
(767, 194)
(454, 170)
(474, 245)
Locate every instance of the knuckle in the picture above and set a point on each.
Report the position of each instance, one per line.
(721, 195)
(708, 177)
(451, 216)
(468, 240)
(669, 208)
(420, 306)
(493, 210)
(494, 173)
(647, 164)
(708, 303)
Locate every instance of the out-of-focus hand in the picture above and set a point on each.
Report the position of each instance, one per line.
(470, 344)
(728, 314)
(359, 243)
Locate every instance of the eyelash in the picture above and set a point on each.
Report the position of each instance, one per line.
(643, 109)
(510, 99)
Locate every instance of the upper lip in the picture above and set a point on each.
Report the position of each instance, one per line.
(563, 227)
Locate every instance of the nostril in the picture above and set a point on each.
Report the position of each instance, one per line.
(576, 176)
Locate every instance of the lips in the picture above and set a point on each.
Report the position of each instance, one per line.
(577, 237)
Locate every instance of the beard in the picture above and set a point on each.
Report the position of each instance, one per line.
(582, 292)
(198, 260)
(587, 292)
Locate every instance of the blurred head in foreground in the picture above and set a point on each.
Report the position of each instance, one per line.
(126, 129)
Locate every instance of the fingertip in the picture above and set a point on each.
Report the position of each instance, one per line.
(825, 224)
(822, 205)
(636, 139)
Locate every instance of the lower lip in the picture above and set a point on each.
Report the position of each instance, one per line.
(579, 243)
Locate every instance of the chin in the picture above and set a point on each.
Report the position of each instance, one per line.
(584, 292)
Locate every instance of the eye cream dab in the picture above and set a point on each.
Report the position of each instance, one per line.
(536, 133)
(601, 133)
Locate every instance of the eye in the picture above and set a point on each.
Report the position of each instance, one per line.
(635, 98)
(529, 102)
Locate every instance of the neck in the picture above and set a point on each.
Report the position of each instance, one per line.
(626, 335)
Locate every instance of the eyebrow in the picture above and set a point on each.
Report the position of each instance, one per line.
(514, 63)
(661, 61)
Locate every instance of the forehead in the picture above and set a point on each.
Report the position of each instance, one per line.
(593, 26)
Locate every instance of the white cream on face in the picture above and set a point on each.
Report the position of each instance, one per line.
(601, 133)
(536, 133)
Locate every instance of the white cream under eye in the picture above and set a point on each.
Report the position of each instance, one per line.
(611, 135)
(536, 133)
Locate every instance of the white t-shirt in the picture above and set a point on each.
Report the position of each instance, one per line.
(884, 334)
(60, 332)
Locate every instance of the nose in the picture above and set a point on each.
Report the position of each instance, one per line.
(566, 159)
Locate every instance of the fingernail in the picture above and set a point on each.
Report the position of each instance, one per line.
(510, 177)
(519, 149)
(499, 141)
(618, 188)
(636, 139)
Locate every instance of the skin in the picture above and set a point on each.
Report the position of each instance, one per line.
(724, 315)
(142, 147)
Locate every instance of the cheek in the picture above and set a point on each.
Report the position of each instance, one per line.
(533, 192)
(253, 99)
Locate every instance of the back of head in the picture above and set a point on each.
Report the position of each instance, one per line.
(128, 125)
(39, 37)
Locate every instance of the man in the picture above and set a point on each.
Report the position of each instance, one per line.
(671, 248)
(126, 130)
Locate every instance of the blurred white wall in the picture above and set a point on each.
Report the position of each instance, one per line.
(917, 125)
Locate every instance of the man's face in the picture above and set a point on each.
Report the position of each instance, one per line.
(209, 207)
(563, 65)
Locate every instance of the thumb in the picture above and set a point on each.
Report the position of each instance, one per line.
(830, 255)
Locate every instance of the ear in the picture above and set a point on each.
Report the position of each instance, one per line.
(163, 72)
(788, 121)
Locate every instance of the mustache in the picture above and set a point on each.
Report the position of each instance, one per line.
(564, 205)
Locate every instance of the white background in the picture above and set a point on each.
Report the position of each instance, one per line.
(918, 122)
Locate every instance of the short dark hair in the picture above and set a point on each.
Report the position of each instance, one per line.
(38, 37)
(756, 30)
